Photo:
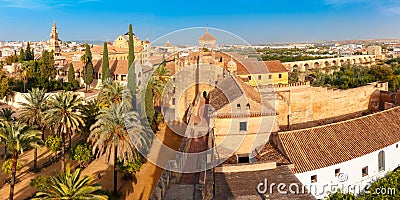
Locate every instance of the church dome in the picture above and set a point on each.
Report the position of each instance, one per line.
(207, 37)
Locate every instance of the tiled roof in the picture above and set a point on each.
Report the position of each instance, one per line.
(229, 89)
(275, 66)
(116, 66)
(258, 67)
(243, 185)
(319, 147)
(207, 37)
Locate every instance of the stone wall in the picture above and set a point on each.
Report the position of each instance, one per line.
(302, 107)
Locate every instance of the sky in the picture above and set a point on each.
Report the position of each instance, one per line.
(256, 21)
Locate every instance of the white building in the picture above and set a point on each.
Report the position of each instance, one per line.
(348, 155)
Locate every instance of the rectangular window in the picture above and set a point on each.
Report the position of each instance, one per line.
(364, 171)
(259, 77)
(280, 75)
(249, 78)
(314, 179)
(243, 126)
(270, 76)
(173, 101)
(337, 172)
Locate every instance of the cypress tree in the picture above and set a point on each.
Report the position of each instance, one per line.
(28, 52)
(131, 44)
(105, 69)
(149, 104)
(71, 73)
(21, 57)
(131, 67)
(90, 74)
(88, 68)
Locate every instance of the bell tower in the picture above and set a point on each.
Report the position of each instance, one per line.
(54, 40)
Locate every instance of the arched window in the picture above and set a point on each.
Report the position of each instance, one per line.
(248, 106)
(204, 94)
(238, 106)
(381, 161)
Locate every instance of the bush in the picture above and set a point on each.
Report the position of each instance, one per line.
(81, 152)
(53, 143)
(130, 166)
(7, 166)
(40, 182)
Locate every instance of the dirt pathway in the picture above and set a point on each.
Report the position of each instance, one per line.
(149, 174)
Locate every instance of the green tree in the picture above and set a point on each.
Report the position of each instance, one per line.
(40, 182)
(8, 165)
(113, 92)
(65, 114)
(105, 69)
(53, 143)
(131, 45)
(339, 195)
(90, 111)
(18, 136)
(109, 135)
(149, 103)
(71, 73)
(47, 69)
(12, 59)
(22, 56)
(28, 53)
(33, 112)
(5, 85)
(69, 185)
(7, 114)
(81, 152)
(88, 71)
(132, 86)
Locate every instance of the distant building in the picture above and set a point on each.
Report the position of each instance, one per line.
(122, 41)
(377, 51)
(55, 42)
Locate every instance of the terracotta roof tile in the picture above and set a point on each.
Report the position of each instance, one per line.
(229, 90)
(319, 147)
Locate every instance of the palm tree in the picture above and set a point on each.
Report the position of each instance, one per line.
(91, 110)
(18, 137)
(69, 185)
(65, 114)
(33, 112)
(117, 133)
(162, 73)
(6, 114)
(157, 82)
(114, 92)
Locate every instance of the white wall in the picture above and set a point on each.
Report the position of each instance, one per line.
(17, 98)
(353, 169)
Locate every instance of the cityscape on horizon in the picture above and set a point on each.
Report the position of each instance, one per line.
(276, 22)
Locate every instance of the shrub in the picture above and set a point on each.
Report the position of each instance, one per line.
(7, 166)
(130, 166)
(40, 182)
(81, 152)
(53, 143)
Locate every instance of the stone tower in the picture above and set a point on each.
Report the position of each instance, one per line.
(54, 41)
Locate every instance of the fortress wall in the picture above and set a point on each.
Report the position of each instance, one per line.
(317, 105)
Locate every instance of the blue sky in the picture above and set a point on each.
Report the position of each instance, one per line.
(257, 21)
